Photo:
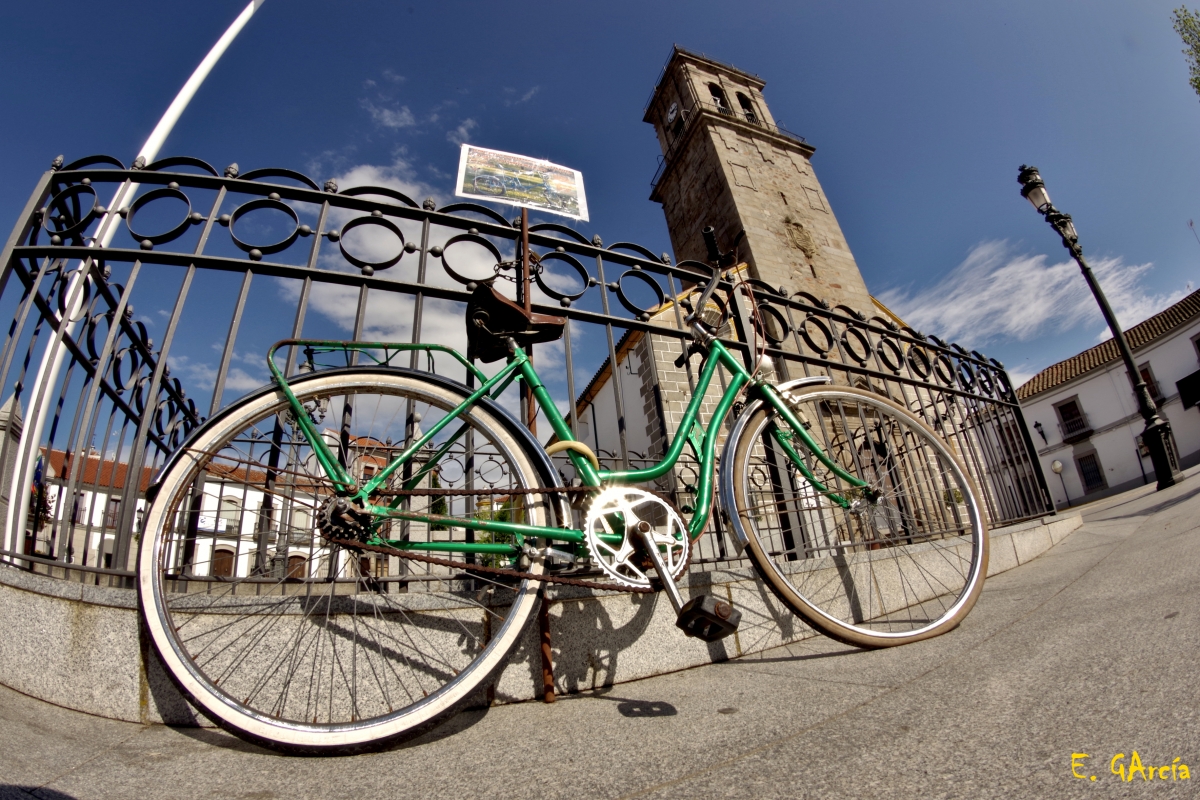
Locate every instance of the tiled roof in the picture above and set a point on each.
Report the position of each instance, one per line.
(1139, 335)
(96, 472)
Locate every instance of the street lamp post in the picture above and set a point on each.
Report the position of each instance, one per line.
(1157, 433)
(1057, 467)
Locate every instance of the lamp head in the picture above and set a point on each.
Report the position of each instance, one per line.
(1033, 189)
(1057, 467)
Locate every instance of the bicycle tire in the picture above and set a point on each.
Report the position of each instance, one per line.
(904, 568)
(329, 662)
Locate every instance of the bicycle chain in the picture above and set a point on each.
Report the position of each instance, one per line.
(352, 544)
(484, 492)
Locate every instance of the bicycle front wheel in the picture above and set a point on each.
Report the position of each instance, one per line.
(289, 640)
(903, 560)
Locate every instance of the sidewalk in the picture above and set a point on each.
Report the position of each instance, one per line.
(1091, 648)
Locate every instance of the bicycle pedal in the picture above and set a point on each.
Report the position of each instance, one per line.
(708, 618)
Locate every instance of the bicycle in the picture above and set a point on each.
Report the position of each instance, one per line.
(857, 515)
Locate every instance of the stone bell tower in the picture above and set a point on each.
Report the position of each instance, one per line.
(727, 164)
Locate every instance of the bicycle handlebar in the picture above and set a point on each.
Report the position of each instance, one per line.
(714, 256)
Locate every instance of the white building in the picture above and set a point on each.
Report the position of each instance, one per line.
(1083, 414)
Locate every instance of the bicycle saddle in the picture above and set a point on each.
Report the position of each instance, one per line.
(492, 318)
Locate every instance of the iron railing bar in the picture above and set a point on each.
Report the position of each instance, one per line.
(235, 322)
(614, 367)
(302, 306)
(24, 227)
(91, 405)
(49, 447)
(137, 454)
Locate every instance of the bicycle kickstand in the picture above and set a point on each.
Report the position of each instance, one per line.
(704, 617)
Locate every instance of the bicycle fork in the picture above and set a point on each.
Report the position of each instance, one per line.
(705, 617)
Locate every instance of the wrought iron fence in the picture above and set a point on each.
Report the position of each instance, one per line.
(114, 354)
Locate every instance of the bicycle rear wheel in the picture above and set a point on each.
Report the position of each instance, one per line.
(291, 641)
(904, 562)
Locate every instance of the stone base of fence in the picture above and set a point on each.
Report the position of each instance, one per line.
(80, 646)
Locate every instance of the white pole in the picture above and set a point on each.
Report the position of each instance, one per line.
(52, 358)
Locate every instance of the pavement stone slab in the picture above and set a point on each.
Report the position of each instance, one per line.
(1089, 648)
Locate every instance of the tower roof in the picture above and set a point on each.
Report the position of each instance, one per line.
(680, 54)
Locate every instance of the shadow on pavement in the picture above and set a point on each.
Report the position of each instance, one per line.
(627, 707)
(215, 737)
(847, 652)
(7, 791)
(1145, 511)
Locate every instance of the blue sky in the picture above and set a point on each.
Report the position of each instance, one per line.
(920, 112)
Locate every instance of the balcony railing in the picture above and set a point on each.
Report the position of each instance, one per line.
(1075, 429)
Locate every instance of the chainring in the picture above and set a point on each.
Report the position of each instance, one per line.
(616, 510)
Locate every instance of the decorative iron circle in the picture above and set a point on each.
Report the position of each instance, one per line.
(129, 357)
(141, 389)
(161, 416)
(59, 201)
(254, 205)
(466, 237)
(774, 327)
(820, 325)
(563, 297)
(89, 338)
(492, 471)
(966, 375)
(1003, 385)
(890, 354)
(918, 360)
(451, 471)
(642, 314)
(986, 384)
(861, 355)
(943, 369)
(167, 236)
(64, 283)
(382, 222)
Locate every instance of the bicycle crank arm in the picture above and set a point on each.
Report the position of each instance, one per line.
(704, 617)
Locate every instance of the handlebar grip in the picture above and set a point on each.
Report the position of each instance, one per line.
(707, 293)
(710, 242)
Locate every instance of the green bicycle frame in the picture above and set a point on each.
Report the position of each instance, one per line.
(520, 366)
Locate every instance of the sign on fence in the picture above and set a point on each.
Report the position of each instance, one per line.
(520, 181)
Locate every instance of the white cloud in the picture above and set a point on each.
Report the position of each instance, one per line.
(463, 132)
(399, 175)
(994, 294)
(393, 77)
(393, 118)
(204, 375)
(525, 98)
(1020, 376)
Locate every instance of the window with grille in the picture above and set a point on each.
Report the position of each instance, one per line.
(1151, 384)
(1091, 473)
(1072, 420)
(112, 512)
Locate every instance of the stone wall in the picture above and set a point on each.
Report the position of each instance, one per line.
(80, 646)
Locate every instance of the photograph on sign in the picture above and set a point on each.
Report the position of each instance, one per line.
(520, 181)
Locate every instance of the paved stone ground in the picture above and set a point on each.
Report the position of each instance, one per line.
(1092, 648)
